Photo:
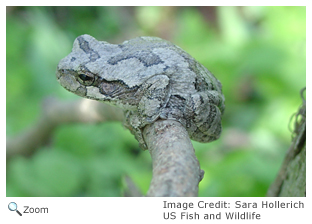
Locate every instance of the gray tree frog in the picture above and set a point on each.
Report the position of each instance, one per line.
(149, 78)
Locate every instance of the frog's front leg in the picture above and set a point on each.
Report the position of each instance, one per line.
(154, 94)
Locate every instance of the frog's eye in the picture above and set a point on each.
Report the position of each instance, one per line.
(86, 79)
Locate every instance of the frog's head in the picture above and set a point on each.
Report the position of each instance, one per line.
(80, 71)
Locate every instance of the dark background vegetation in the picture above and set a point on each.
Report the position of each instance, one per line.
(258, 53)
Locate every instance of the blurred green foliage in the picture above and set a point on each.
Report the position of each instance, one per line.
(258, 53)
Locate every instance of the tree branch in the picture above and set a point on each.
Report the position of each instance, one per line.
(176, 170)
(291, 179)
(56, 113)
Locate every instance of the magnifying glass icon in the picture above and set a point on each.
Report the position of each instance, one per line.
(13, 207)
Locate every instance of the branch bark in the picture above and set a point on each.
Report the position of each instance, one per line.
(176, 170)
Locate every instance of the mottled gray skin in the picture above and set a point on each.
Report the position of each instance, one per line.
(150, 79)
